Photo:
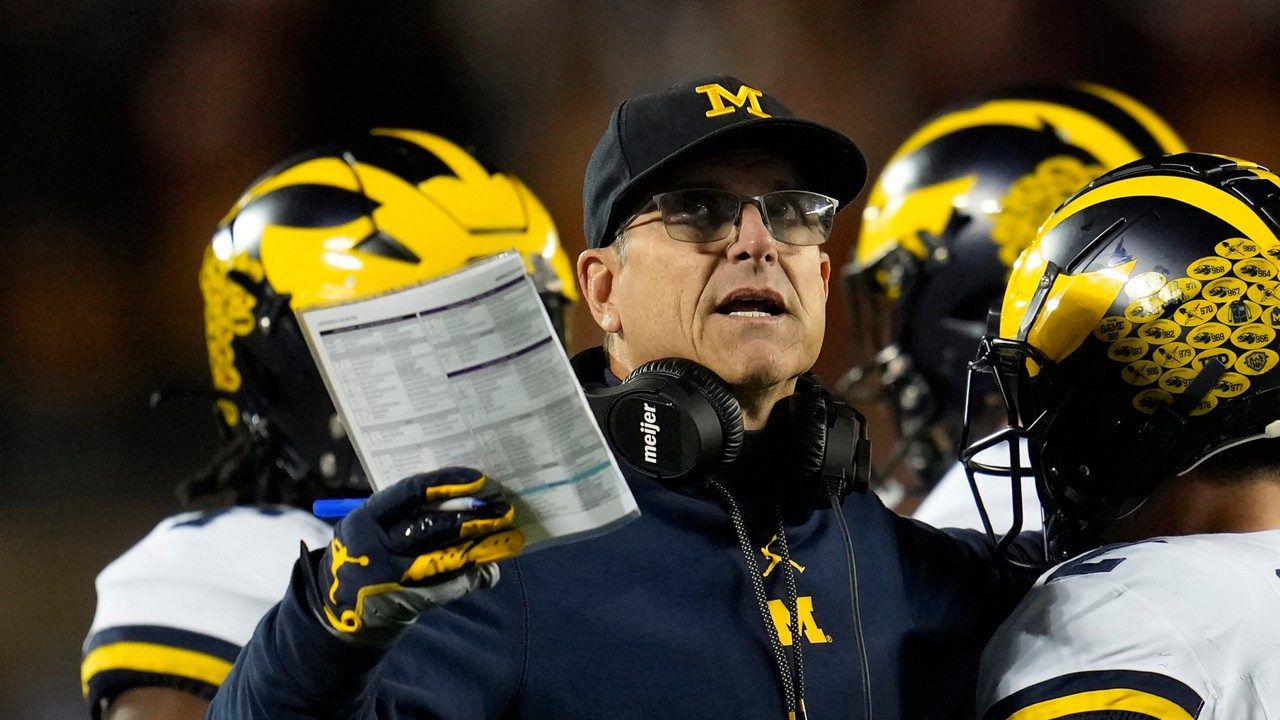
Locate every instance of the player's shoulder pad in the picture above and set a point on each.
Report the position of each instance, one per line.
(242, 546)
(175, 609)
(1157, 619)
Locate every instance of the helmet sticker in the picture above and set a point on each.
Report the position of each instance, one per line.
(1194, 313)
(1239, 312)
(1231, 385)
(1160, 332)
(1174, 354)
(1178, 379)
(1127, 350)
(1144, 310)
(1180, 290)
(1273, 317)
(1225, 290)
(1252, 337)
(1209, 335)
(1256, 270)
(1257, 362)
(1237, 248)
(1265, 293)
(1208, 268)
(1144, 285)
(1223, 356)
(1112, 328)
(1206, 404)
(1152, 399)
(1141, 372)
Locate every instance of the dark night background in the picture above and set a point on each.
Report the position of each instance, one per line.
(129, 128)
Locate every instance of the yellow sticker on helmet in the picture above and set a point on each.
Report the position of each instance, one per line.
(1144, 310)
(1144, 285)
(1224, 357)
(1237, 248)
(1141, 372)
(1194, 313)
(1257, 362)
(1265, 293)
(1112, 328)
(1151, 399)
(1207, 403)
(1127, 350)
(1231, 385)
(1239, 312)
(1209, 335)
(1177, 380)
(1160, 332)
(1251, 337)
(1174, 354)
(1208, 268)
(1256, 269)
(1179, 290)
(1272, 317)
(1224, 290)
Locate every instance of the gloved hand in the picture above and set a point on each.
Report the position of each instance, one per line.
(420, 543)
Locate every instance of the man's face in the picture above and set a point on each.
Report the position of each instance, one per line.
(748, 307)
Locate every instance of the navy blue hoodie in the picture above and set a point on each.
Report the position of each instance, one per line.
(658, 619)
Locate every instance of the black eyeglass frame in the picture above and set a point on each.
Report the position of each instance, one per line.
(655, 203)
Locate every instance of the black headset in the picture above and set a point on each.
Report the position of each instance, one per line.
(674, 420)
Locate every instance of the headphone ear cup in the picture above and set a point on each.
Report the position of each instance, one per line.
(808, 428)
(707, 385)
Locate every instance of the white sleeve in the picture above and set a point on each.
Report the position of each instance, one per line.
(1088, 642)
(176, 608)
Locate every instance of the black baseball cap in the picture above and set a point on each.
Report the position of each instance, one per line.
(652, 133)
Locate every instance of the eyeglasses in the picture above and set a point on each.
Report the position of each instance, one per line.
(702, 215)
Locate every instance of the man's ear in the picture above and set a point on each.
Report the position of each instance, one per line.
(598, 268)
(826, 274)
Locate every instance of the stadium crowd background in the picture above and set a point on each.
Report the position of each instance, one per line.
(129, 128)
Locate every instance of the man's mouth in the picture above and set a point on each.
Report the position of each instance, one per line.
(752, 303)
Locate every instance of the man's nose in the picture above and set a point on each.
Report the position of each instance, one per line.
(754, 242)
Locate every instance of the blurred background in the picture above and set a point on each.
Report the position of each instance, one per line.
(129, 128)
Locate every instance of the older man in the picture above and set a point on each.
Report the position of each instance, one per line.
(738, 592)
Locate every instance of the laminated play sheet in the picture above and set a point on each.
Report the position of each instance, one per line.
(466, 370)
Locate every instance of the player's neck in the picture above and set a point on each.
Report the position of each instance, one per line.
(1197, 504)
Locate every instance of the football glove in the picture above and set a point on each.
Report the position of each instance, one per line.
(419, 543)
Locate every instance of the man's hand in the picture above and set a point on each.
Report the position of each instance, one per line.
(420, 543)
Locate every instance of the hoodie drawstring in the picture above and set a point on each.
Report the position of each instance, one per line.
(794, 701)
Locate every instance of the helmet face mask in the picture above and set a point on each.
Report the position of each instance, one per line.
(383, 212)
(1128, 342)
(950, 213)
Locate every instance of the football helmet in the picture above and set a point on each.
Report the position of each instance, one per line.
(947, 217)
(393, 208)
(1138, 338)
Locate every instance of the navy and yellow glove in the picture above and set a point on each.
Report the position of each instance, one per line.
(420, 543)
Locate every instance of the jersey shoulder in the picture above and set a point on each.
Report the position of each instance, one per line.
(1170, 623)
(175, 609)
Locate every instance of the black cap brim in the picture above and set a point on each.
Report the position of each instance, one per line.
(829, 162)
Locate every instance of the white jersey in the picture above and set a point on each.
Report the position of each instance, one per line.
(176, 608)
(950, 502)
(1179, 627)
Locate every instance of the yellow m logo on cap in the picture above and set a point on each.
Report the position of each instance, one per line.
(718, 95)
